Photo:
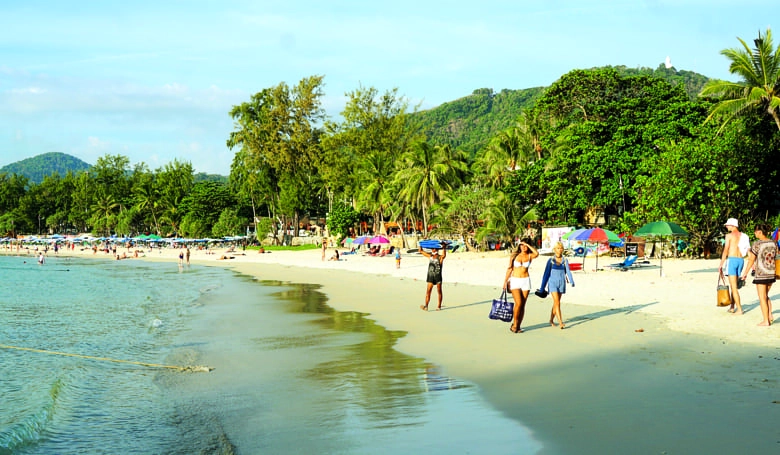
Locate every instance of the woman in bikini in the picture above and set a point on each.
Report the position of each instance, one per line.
(518, 281)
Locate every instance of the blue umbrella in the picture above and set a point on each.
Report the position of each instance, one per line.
(360, 240)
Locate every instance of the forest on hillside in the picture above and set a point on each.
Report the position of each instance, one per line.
(613, 146)
(39, 166)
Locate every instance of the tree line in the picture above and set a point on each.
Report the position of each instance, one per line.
(598, 144)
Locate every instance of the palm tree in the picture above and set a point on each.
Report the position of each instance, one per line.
(376, 174)
(104, 208)
(427, 174)
(147, 199)
(759, 69)
(504, 219)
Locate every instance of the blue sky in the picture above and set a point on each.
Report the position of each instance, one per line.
(155, 80)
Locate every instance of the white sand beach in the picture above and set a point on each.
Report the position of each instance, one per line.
(647, 363)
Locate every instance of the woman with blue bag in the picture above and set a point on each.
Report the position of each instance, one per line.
(556, 274)
(518, 281)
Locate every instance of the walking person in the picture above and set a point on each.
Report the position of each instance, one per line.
(398, 258)
(734, 260)
(762, 254)
(188, 255)
(435, 261)
(324, 247)
(556, 274)
(518, 281)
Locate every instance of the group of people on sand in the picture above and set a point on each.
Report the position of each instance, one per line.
(760, 258)
(517, 280)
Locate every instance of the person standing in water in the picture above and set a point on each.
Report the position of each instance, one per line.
(518, 281)
(556, 274)
(435, 261)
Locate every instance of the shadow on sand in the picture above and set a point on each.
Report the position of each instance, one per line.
(583, 318)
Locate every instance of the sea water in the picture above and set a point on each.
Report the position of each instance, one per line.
(292, 375)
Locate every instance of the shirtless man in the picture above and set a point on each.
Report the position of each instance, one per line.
(734, 261)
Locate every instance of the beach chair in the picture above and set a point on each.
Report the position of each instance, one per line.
(627, 263)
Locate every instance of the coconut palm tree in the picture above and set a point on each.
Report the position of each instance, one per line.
(759, 69)
(103, 211)
(427, 173)
(147, 197)
(375, 174)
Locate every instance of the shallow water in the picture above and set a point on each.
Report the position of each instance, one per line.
(291, 374)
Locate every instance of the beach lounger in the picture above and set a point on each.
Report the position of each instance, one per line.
(627, 263)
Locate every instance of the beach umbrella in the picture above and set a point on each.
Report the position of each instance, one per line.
(596, 235)
(360, 240)
(661, 229)
(574, 233)
(379, 239)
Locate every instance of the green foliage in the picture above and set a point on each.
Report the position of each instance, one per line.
(461, 212)
(263, 228)
(204, 205)
(689, 81)
(609, 124)
(39, 166)
(204, 177)
(759, 88)
(229, 224)
(341, 219)
(724, 176)
(469, 123)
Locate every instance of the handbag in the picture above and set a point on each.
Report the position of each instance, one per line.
(724, 297)
(777, 267)
(501, 309)
(541, 293)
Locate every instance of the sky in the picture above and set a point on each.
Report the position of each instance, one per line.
(155, 80)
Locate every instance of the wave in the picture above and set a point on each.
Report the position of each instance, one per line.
(31, 430)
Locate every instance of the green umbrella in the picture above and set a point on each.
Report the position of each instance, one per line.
(661, 229)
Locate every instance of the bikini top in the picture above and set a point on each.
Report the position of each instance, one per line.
(521, 264)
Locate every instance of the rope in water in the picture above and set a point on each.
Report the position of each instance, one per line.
(193, 369)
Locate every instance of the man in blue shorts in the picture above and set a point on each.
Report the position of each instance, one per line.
(736, 261)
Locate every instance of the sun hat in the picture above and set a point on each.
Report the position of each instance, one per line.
(732, 222)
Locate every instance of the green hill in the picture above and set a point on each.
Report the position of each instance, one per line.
(39, 166)
(470, 122)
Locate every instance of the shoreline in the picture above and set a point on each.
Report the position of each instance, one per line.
(639, 349)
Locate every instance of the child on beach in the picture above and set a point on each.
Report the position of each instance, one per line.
(556, 274)
(762, 254)
(518, 281)
(398, 258)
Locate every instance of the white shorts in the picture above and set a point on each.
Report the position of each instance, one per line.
(524, 284)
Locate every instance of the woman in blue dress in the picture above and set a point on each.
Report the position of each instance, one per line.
(556, 274)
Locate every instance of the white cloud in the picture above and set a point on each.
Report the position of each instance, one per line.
(28, 91)
(175, 89)
(95, 143)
